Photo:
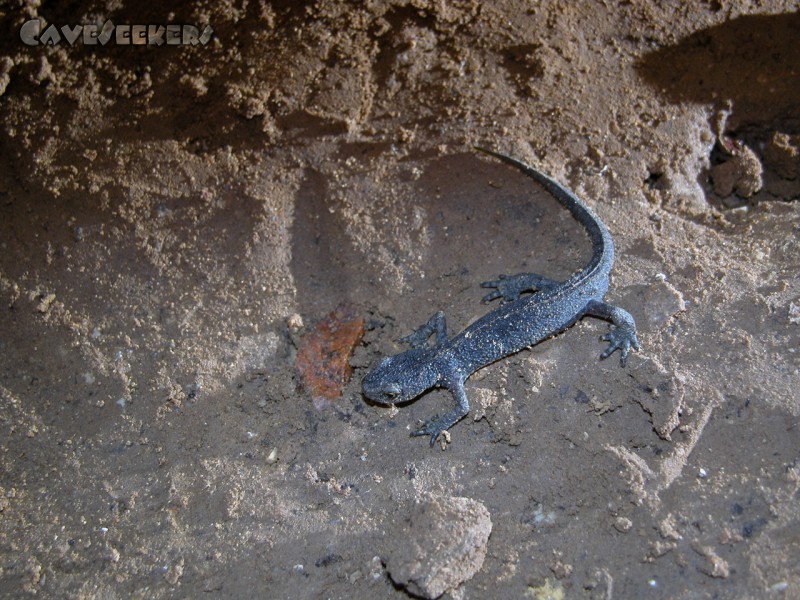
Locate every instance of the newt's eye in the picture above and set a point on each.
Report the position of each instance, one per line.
(392, 391)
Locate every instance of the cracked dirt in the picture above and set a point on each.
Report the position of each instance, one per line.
(178, 220)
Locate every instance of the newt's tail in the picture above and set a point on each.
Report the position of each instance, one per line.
(602, 245)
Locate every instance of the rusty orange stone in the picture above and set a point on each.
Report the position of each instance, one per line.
(323, 358)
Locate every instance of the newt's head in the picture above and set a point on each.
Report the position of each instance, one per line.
(400, 378)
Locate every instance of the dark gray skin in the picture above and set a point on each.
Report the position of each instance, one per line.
(519, 323)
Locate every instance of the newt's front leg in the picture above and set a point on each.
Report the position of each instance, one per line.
(509, 287)
(437, 425)
(419, 338)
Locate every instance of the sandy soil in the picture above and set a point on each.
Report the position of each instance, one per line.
(175, 220)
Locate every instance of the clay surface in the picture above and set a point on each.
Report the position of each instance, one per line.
(176, 219)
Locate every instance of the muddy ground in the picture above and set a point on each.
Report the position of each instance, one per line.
(175, 220)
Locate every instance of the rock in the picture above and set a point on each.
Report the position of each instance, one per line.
(622, 524)
(439, 545)
(741, 174)
(715, 566)
(661, 302)
(782, 154)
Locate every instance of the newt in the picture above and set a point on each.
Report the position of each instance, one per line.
(534, 308)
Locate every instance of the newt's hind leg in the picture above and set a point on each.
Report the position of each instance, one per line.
(509, 287)
(420, 337)
(623, 336)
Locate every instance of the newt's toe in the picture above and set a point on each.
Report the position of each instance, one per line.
(621, 339)
(427, 431)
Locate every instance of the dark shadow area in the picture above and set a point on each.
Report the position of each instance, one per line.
(322, 258)
(748, 69)
(752, 61)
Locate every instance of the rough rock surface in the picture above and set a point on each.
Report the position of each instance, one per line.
(443, 543)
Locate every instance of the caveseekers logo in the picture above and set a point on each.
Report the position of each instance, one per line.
(123, 35)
